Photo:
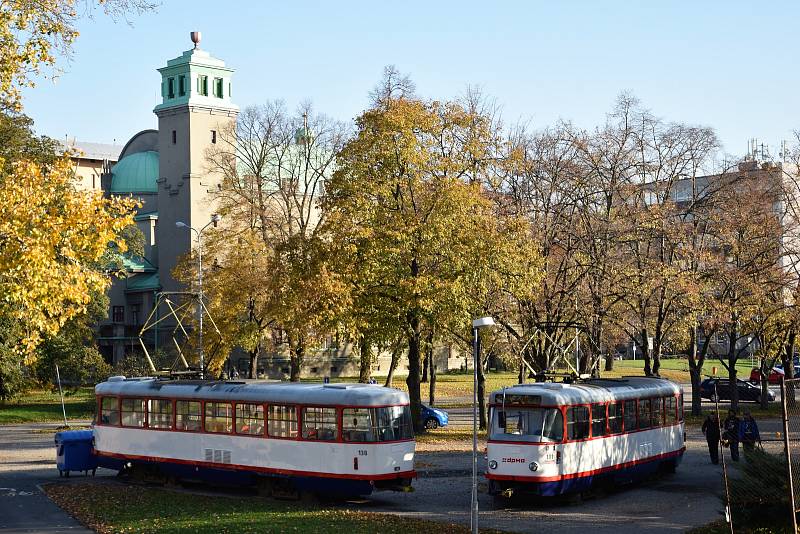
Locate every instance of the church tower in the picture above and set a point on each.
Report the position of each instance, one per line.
(196, 106)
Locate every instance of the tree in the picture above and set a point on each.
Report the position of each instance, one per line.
(52, 238)
(34, 33)
(420, 233)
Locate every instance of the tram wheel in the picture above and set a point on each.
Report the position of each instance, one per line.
(431, 423)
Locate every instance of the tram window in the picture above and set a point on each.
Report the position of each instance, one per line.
(160, 413)
(644, 413)
(109, 411)
(219, 417)
(577, 422)
(357, 424)
(669, 410)
(680, 407)
(658, 412)
(282, 421)
(393, 423)
(615, 417)
(250, 419)
(629, 415)
(319, 423)
(133, 412)
(598, 420)
(528, 424)
(187, 415)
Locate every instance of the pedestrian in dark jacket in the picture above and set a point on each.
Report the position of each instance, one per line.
(711, 431)
(730, 434)
(748, 433)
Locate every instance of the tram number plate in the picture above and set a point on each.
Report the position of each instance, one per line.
(549, 457)
(362, 453)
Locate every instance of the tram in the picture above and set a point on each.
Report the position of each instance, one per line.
(548, 439)
(349, 439)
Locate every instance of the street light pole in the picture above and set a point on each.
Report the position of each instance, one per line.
(477, 324)
(215, 218)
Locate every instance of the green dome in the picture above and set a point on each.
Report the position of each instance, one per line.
(137, 173)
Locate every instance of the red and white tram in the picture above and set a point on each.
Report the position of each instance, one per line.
(553, 438)
(344, 438)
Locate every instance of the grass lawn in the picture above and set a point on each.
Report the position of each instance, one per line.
(110, 508)
(41, 406)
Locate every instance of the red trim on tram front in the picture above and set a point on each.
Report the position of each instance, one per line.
(616, 467)
(238, 467)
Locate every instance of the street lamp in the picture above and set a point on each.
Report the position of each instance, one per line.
(477, 324)
(215, 218)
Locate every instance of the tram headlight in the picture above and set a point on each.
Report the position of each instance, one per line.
(492, 464)
(533, 466)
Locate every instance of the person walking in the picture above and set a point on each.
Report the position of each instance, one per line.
(731, 434)
(748, 433)
(711, 431)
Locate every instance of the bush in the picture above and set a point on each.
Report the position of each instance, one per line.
(760, 489)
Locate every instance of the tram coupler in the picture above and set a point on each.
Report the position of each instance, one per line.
(507, 493)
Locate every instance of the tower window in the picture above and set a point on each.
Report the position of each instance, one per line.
(230, 93)
(202, 85)
(181, 85)
(174, 137)
(171, 88)
(218, 87)
(213, 137)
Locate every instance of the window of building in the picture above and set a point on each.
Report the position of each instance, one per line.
(187, 416)
(118, 314)
(135, 311)
(181, 85)
(319, 423)
(393, 423)
(160, 413)
(644, 413)
(598, 420)
(219, 417)
(629, 415)
(202, 85)
(174, 137)
(250, 419)
(218, 87)
(213, 137)
(109, 411)
(615, 418)
(657, 418)
(577, 422)
(357, 424)
(282, 421)
(722, 338)
(669, 409)
(133, 412)
(171, 88)
(334, 369)
(230, 93)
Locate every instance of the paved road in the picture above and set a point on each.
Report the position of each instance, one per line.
(672, 504)
(27, 458)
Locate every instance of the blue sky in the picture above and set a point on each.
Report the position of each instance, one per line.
(729, 64)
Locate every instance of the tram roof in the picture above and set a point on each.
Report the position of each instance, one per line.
(255, 391)
(594, 390)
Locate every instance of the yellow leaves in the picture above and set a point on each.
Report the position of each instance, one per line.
(52, 238)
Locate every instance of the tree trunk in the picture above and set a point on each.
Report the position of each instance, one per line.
(425, 363)
(432, 389)
(656, 358)
(412, 381)
(648, 370)
(734, 389)
(396, 351)
(521, 375)
(695, 372)
(296, 360)
(253, 373)
(481, 388)
(365, 366)
(764, 376)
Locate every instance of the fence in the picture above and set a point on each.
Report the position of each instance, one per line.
(791, 441)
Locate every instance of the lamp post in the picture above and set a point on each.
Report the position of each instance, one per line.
(477, 324)
(215, 218)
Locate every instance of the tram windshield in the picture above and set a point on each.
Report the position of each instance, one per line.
(391, 423)
(527, 424)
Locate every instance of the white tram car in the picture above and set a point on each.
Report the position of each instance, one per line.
(345, 438)
(553, 438)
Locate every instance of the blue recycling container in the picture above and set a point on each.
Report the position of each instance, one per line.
(74, 452)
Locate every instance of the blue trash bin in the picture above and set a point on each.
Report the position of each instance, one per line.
(74, 452)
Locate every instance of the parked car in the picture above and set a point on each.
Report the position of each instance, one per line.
(775, 375)
(433, 417)
(747, 390)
